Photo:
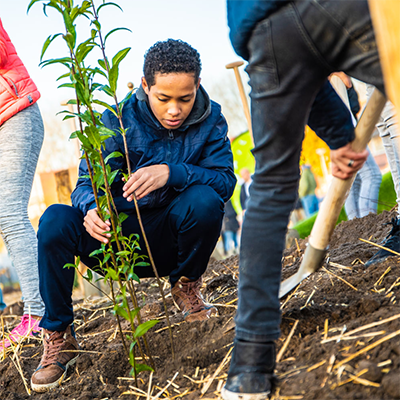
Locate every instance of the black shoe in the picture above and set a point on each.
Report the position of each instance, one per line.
(392, 242)
(251, 373)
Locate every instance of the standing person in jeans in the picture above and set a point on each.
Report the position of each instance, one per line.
(389, 132)
(21, 138)
(292, 47)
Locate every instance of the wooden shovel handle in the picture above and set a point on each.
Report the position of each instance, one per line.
(338, 189)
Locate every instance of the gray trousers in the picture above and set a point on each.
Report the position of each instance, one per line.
(21, 139)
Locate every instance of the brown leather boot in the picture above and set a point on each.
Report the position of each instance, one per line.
(55, 360)
(188, 299)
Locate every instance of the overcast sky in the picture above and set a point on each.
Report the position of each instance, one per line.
(201, 23)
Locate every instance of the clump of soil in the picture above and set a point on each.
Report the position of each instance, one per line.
(345, 344)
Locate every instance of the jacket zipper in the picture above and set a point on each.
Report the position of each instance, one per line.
(8, 87)
(170, 138)
(15, 87)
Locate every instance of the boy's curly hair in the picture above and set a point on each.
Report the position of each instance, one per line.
(171, 56)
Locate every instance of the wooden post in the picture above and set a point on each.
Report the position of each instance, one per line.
(385, 17)
(63, 186)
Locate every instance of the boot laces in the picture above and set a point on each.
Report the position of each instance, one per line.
(54, 343)
(193, 295)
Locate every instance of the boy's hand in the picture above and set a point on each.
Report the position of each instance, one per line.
(96, 227)
(146, 180)
(346, 162)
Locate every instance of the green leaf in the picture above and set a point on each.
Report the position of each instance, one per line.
(102, 64)
(114, 154)
(105, 88)
(113, 274)
(104, 104)
(69, 265)
(97, 24)
(84, 140)
(127, 97)
(89, 275)
(63, 76)
(74, 13)
(93, 135)
(86, 5)
(106, 258)
(120, 56)
(143, 328)
(63, 60)
(114, 71)
(105, 132)
(135, 312)
(113, 78)
(115, 30)
(134, 277)
(70, 29)
(31, 4)
(74, 135)
(98, 71)
(121, 311)
(47, 44)
(95, 252)
(142, 264)
(108, 4)
(122, 217)
(122, 253)
(142, 367)
(67, 85)
(112, 176)
(83, 50)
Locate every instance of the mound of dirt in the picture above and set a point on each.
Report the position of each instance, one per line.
(340, 334)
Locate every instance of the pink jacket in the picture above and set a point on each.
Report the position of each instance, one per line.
(17, 90)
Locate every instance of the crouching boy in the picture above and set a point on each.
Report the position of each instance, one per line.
(183, 174)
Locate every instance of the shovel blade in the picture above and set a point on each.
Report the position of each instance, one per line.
(289, 284)
(311, 262)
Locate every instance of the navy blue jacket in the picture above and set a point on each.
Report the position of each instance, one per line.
(197, 153)
(329, 117)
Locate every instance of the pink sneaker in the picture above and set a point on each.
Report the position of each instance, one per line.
(28, 327)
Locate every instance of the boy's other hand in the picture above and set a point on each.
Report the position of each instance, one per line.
(96, 227)
(346, 162)
(146, 180)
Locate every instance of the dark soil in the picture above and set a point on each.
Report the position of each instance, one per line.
(325, 307)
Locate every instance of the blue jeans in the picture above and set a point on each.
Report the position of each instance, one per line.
(310, 204)
(181, 236)
(292, 52)
(364, 193)
(230, 241)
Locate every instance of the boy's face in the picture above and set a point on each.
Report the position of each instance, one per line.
(171, 98)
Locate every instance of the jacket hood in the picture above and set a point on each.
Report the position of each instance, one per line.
(200, 111)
